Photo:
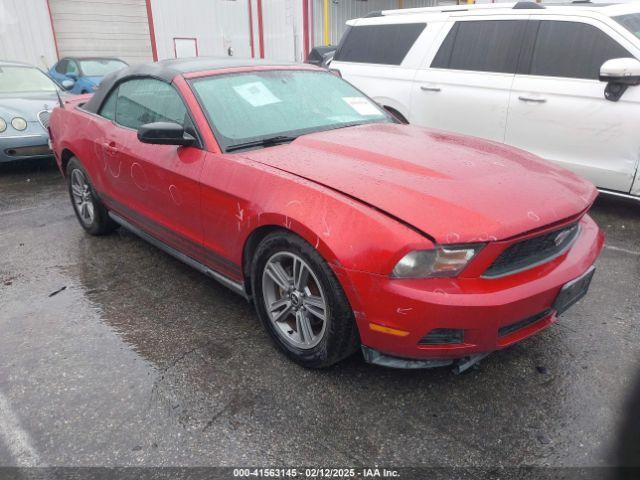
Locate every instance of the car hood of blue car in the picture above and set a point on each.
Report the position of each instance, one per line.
(94, 80)
(26, 105)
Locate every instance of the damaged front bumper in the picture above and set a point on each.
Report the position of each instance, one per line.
(459, 364)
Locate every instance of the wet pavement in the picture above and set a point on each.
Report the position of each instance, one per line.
(139, 360)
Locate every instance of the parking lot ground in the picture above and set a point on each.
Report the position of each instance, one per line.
(113, 353)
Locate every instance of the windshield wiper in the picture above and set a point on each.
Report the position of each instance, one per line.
(265, 142)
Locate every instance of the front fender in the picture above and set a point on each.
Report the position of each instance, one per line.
(347, 233)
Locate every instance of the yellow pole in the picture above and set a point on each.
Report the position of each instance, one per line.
(400, 3)
(327, 35)
(471, 1)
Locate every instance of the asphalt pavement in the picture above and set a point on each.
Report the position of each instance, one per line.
(112, 353)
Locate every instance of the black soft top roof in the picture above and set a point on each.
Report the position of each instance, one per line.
(167, 70)
(93, 57)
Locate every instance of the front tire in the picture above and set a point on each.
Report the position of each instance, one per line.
(301, 303)
(90, 211)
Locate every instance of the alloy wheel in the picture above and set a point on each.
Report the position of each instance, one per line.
(294, 300)
(82, 197)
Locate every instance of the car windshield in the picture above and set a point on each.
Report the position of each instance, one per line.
(99, 67)
(254, 106)
(631, 22)
(17, 79)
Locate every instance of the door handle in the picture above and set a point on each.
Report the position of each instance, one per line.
(110, 148)
(426, 88)
(532, 100)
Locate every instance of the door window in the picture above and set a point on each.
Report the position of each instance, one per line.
(61, 67)
(380, 44)
(482, 46)
(572, 50)
(631, 22)
(148, 100)
(108, 109)
(72, 68)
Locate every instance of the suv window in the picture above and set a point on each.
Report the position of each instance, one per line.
(631, 22)
(380, 44)
(143, 101)
(482, 46)
(572, 49)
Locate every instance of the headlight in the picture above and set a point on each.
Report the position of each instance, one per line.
(19, 123)
(3, 125)
(439, 262)
(94, 87)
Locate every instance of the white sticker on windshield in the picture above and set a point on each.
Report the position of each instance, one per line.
(361, 105)
(256, 94)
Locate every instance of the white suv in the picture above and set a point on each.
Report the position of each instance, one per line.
(558, 81)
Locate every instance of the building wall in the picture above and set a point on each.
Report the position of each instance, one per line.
(115, 28)
(120, 28)
(342, 10)
(217, 25)
(25, 32)
(283, 30)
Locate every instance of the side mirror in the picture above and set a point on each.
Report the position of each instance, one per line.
(164, 133)
(327, 58)
(619, 73)
(67, 84)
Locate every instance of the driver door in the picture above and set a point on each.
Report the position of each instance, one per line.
(557, 108)
(157, 186)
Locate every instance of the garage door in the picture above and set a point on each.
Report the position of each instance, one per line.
(114, 28)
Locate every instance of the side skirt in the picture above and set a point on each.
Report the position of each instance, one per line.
(626, 196)
(227, 282)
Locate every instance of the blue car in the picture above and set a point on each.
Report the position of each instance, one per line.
(27, 96)
(86, 73)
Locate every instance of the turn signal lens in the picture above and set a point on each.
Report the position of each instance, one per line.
(391, 331)
(3, 125)
(440, 262)
(19, 123)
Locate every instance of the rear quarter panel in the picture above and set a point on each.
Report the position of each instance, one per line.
(73, 132)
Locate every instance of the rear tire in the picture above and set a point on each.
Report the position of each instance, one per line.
(90, 211)
(301, 303)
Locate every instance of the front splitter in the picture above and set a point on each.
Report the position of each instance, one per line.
(460, 364)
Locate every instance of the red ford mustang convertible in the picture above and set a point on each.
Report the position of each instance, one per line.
(345, 228)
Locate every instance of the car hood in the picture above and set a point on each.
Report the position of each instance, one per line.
(454, 188)
(94, 80)
(26, 105)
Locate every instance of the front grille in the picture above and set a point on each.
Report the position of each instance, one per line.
(43, 118)
(514, 327)
(532, 252)
(439, 336)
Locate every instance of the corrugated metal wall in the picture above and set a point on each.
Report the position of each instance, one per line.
(217, 25)
(25, 32)
(117, 28)
(120, 27)
(342, 10)
(283, 29)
